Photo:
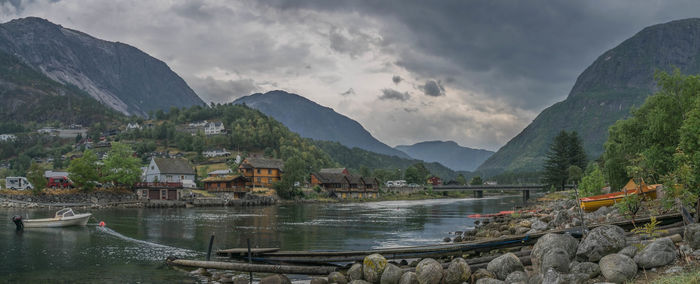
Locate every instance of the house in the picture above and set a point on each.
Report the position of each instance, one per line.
(8, 137)
(433, 180)
(216, 153)
(230, 183)
(341, 184)
(214, 128)
(48, 130)
(261, 172)
(331, 182)
(335, 171)
(220, 173)
(169, 170)
(160, 193)
(71, 132)
(396, 183)
(133, 126)
(50, 174)
(198, 124)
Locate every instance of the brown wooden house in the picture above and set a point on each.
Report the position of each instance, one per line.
(235, 184)
(261, 172)
(344, 185)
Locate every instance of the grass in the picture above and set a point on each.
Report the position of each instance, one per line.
(681, 278)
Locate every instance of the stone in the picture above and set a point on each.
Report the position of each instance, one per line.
(359, 282)
(457, 272)
(519, 277)
(535, 279)
(391, 275)
(659, 253)
(373, 267)
(617, 268)
(685, 249)
(549, 242)
(200, 271)
(673, 269)
(539, 225)
(457, 239)
(319, 280)
(521, 230)
(355, 272)
(589, 268)
(556, 258)
(489, 281)
(446, 239)
(240, 280)
(560, 218)
(691, 235)
(275, 279)
(525, 223)
(429, 271)
(482, 273)
(409, 278)
(337, 278)
(630, 251)
(601, 241)
(504, 265)
(554, 277)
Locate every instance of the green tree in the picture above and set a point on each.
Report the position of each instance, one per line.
(294, 175)
(461, 180)
(120, 165)
(35, 175)
(476, 181)
(592, 183)
(575, 174)
(557, 161)
(83, 171)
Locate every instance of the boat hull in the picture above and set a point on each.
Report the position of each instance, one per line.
(77, 220)
(590, 204)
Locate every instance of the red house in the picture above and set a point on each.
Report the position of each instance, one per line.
(434, 180)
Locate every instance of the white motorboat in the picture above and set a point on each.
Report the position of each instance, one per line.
(63, 218)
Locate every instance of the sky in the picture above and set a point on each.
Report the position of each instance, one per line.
(475, 72)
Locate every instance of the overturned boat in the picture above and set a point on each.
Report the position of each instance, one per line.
(63, 218)
(592, 203)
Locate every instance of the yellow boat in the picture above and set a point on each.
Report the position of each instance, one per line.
(592, 203)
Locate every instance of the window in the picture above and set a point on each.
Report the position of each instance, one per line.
(269, 171)
(258, 170)
(259, 180)
(152, 167)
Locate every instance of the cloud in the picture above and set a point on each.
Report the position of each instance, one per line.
(396, 79)
(348, 92)
(433, 88)
(391, 94)
(212, 90)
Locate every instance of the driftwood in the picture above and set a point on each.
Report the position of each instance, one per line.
(244, 251)
(259, 268)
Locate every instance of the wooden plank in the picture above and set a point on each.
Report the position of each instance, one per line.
(245, 250)
(258, 268)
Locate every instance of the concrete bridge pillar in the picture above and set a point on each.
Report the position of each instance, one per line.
(526, 195)
(478, 193)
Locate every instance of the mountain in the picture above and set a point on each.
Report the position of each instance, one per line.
(448, 153)
(618, 80)
(315, 121)
(116, 74)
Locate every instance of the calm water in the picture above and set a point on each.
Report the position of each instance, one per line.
(133, 246)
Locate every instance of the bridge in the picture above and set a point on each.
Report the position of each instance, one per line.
(479, 189)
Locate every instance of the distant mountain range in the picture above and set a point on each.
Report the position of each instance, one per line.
(618, 80)
(117, 75)
(448, 153)
(315, 121)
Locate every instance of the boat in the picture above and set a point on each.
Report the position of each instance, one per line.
(63, 218)
(592, 203)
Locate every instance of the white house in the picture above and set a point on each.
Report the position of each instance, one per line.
(133, 126)
(214, 128)
(198, 124)
(169, 170)
(48, 130)
(7, 137)
(216, 153)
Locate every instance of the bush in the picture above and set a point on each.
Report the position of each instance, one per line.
(592, 183)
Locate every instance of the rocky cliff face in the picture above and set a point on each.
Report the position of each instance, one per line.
(605, 92)
(116, 74)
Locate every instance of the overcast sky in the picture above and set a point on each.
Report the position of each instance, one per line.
(476, 72)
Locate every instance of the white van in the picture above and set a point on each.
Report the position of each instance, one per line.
(20, 183)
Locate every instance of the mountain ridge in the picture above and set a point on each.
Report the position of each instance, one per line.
(448, 153)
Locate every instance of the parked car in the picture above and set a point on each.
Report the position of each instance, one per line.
(59, 182)
(18, 183)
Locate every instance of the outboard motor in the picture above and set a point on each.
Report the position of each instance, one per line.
(17, 219)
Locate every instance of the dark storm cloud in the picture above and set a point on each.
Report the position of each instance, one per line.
(396, 79)
(348, 92)
(433, 88)
(391, 94)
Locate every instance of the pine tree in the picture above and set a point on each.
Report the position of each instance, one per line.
(557, 163)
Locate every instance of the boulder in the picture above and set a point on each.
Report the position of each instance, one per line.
(535, 279)
(659, 253)
(617, 268)
(319, 280)
(373, 267)
(355, 272)
(549, 242)
(556, 258)
(409, 278)
(240, 280)
(337, 278)
(630, 251)
(560, 218)
(589, 268)
(521, 230)
(457, 272)
(275, 279)
(359, 282)
(429, 271)
(519, 277)
(601, 241)
(692, 235)
(489, 281)
(391, 274)
(539, 225)
(525, 223)
(482, 273)
(554, 277)
(504, 265)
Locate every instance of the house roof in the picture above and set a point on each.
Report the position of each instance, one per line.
(220, 172)
(262, 163)
(174, 166)
(370, 180)
(331, 178)
(223, 178)
(355, 179)
(332, 171)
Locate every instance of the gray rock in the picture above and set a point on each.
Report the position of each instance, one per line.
(601, 241)
(535, 279)
(409, 278)
(659, 253)
(373, 267)
(359, 282)
(549, 242)
(429, 271)
(556, 258)
(554, 277)
(673, 269)
(200, 271)
(337, 278)
(355, 272)
(617, 268)
(589, 268)
(539, 225)
(391, 275)
(630, 251)
(482, 273)
(457, 272)
(519, 277)
(685, 249)
(521, 230)
(504, 265)
(242, 280)
(489, 281)
(692, 235)
(275, 279)
(319, 280)
(560, 218)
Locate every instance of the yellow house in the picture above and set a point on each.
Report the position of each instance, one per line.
(261, 172)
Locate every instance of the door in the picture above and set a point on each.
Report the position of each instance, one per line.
(153, 194)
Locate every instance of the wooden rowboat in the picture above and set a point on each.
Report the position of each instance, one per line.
(592, 203)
